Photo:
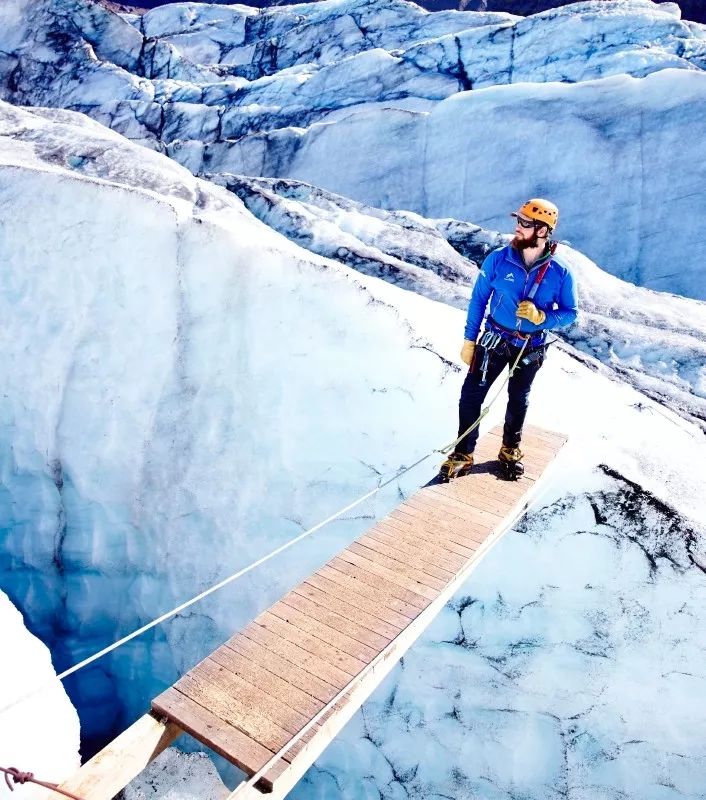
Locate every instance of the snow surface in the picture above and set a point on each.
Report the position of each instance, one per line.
(40, 735)
(325, 92)
(185, 388)
(174, 775)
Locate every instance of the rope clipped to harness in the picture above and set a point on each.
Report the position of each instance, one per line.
(18, 777)
(452, 445)
(489, 341)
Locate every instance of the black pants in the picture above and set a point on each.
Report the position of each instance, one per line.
(474, 391)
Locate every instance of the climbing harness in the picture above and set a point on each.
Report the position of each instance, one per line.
(452, 445)
(495, 334)
(489, 341)
(535, 355)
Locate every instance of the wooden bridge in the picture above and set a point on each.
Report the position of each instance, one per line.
(310, 661)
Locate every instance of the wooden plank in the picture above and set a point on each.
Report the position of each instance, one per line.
(414, 514)
(426, 593)
(539, 449)
(434, 537)
(325, 633)
(415, 548)
(488, 441)
(462, 494)
(485, 486)
(291, 651)
(289, 671)
(530, 443)
(391, 609)
(448, 503)
(110, 770)
(447, 533)
(406, 541)
(445, 519)
(497, 493)
(539, 452)
(303, 745)
(318, 647)
(532, 437)
(447, 500)
(284, 691)
(219, 679)
(395, 578)
(224, 739)
(365, 612)
(488, 470)
(340, 610)
(473, 513)
(474, 521)
(415, 572)
(240, 712)
(557, 437)
(343, 624)
(387, 548)
(468, 534)
(357, 568)
(487, 452)
(414, 575)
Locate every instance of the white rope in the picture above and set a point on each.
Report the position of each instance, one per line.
(235, 576)
(356, 679)
(240, 573)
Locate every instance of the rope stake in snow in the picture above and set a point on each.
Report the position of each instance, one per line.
(28, 777)
(169, 614)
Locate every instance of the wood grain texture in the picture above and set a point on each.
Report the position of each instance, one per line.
(254, 694)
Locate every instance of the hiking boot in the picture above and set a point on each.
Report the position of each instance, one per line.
(456, 465)
(510, 459)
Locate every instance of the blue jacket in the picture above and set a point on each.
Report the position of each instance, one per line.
(505, 282)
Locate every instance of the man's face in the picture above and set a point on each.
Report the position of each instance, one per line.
(525, 233)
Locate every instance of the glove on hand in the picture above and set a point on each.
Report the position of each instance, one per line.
(528, 310)
(467, 351)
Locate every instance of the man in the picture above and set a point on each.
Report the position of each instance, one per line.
(526, 294)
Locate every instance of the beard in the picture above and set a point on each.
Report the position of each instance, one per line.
(525, 244)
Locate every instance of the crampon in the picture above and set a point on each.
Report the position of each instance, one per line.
(455, 466)
(511, 466)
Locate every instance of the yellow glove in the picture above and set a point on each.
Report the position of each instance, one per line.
(528, 310)
(467, 351)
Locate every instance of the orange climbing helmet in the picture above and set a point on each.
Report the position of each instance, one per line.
(539, 210)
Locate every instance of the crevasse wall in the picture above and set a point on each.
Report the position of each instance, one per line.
(183, 391)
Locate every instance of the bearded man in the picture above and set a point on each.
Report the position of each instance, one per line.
(525, 293)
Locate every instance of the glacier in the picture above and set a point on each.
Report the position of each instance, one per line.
(201, 360)
(38, 733)
(158, 429)
(431, 258)
(182, 311)
(311, 91)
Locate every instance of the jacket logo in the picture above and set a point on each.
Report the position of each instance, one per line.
(509, 277)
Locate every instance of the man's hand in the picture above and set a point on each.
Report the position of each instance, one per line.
(467, 351)
(528, 310)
